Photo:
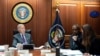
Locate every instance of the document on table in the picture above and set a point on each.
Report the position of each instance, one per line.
(75, 52)
(30, 54)
(65, 50)
(2, 48)
(2, 54)
(39, 47)
(71, 52)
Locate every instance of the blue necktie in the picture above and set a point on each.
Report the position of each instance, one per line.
(23, 38)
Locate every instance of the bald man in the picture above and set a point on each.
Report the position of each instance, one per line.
(75, 37)
(21, 37)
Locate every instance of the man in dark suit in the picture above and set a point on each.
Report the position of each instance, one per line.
(75, 37)
(21, 37)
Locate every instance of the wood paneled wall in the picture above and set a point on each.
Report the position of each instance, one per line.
(77, 12)
(40, 23)
(71, 12)
(95, 22)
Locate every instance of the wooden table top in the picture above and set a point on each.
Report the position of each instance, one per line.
(34, 53)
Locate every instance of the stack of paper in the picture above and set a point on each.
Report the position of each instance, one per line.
(23, 51)
(2, 54)
(75, 53)
(30, 54)
(69, 52)
(50, 54)
(44, 51)
(2, 48)
(65, 50)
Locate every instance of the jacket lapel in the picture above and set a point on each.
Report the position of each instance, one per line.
(20, 38)
(26, 36)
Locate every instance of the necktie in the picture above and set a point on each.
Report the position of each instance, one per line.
(23, 38)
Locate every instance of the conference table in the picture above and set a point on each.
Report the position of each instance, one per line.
(34, 53)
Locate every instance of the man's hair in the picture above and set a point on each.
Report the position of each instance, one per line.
(77, 26)
(19, 25)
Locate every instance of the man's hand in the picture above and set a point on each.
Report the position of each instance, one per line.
(86, 54)
(56, 38)
(74, 38)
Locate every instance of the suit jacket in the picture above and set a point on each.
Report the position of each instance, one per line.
(73, 44)
(18, 39)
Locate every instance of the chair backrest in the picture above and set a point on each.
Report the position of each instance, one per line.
(67, 38)
(27, 31)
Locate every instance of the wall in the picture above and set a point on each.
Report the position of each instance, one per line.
(71, 12)
(40, 23)
(77, 12)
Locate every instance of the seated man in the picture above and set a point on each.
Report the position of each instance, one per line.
(76, 36)
(21, 37)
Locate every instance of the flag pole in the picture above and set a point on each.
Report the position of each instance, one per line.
(57, 5)
(57, 10)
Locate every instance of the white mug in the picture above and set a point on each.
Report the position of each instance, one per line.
(8, 53)
(19, 46)
(6, 47)
(12, 50)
